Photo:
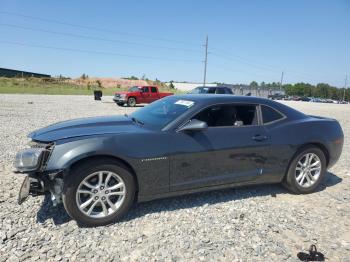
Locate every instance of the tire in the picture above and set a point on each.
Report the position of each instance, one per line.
(131, 101)
(89, 172)
(120, 104)
(292, 179)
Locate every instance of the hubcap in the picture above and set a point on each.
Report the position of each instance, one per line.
(308, 170)
(100, 194)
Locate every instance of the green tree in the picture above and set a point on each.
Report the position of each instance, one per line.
(99, 83)
(254, 84)
(84, 76)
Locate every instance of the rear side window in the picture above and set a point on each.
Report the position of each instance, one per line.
(220, 91)
(211, 90)
(270, 115)
(153, 89)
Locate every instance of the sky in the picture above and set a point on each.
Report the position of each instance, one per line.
(247, 40)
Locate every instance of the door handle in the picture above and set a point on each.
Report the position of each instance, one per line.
(259, 138)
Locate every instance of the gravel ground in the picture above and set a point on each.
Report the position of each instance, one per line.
(253, 223)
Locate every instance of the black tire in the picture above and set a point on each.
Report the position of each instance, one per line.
(290, 180)
(78, 174)
(131, 101)
(120, 104)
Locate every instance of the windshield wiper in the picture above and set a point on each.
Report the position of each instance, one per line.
(137, 121)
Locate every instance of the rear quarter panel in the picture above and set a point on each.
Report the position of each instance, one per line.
(287, 137)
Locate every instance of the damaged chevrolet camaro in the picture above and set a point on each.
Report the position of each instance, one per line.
(180, 144)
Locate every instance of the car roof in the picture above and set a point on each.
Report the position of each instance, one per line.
(218, 98)
(212, 87)
(207, 99)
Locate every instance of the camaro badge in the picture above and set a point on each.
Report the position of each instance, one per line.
(153, 159)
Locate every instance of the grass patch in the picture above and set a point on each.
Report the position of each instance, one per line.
(53, 86)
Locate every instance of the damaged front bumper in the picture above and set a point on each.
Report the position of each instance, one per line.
(36, 184)
(38, 181)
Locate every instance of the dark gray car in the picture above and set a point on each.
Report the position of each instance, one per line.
(212, 90)
(180, 144)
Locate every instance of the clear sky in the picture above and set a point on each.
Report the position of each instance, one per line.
(248, 40)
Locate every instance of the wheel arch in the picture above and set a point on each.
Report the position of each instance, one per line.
(301, 147)
(117, 160)
(320, 146)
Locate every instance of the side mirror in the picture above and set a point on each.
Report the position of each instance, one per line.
(194, 125)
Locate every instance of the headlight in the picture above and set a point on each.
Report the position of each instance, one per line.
(28, 159)
(122, 95)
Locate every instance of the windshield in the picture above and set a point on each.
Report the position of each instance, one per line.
(160, 113)
(199, 90)
(134, 89)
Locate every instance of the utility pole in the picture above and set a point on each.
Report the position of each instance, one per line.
(205, 60)
(345, 86)
(281, 81)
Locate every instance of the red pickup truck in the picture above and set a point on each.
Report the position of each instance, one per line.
(139, 95)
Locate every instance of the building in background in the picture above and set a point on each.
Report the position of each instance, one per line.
(4, 72)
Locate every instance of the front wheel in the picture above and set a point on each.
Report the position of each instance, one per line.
(98, 193)
(131, 101)
(306, 170)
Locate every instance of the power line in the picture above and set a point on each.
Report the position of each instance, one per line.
(96, 52)
(92, 28)
(95, 38)
(261, 66)
(244, 62)
(205, 60)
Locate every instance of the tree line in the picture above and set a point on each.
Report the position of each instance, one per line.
(321, 90)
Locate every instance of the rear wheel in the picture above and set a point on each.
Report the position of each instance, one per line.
(98, 193)
(306, 171)
(131, 101)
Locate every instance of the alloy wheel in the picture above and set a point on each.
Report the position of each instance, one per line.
(308, 170)
(100, 194)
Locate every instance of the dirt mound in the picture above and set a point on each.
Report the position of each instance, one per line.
(108, 82)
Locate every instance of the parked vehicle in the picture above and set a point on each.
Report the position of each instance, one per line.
(305, 99)
(276, 97)
(180, 144)
(139, 95)
(212, 90)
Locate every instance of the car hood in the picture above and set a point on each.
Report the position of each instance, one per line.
(85, 127)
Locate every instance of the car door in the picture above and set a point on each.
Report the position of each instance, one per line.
(154, 95)
(145, 95)
(231, 150)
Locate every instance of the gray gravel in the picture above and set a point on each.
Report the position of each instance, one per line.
(254, 223)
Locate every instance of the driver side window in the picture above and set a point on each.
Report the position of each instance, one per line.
(229, 115)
